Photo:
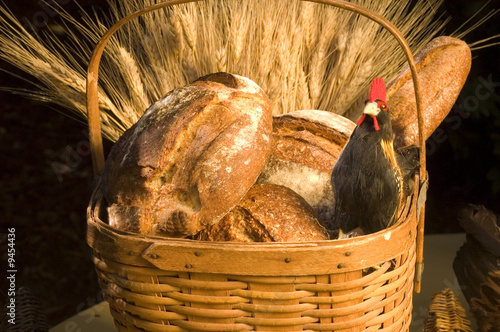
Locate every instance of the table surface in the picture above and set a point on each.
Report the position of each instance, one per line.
(439, 253)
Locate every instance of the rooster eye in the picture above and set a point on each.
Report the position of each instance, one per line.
(383, 107)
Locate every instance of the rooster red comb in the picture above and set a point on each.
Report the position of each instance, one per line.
(377, 90)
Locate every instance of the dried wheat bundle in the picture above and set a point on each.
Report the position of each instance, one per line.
(304, 55)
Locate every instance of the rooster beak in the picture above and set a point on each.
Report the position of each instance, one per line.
(371, 109)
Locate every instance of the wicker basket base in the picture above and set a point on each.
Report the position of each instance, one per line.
(169, 301)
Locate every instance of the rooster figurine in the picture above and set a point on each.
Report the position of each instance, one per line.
(366, 179)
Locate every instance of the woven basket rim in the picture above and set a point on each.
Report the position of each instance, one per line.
(250, 258)
(94, 209)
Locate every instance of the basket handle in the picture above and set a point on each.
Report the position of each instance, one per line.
(93, 112)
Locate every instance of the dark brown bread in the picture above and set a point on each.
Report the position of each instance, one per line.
(268, 213)
(305, 146)
(190, 158)
(443, 66)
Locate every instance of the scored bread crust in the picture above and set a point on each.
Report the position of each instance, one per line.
(190, 158)
(305, 146)
(323, 134)
(268, 213)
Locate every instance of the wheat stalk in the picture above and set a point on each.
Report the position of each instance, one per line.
(132, 77)
(304, 55)
(309, 31)
(302, 89)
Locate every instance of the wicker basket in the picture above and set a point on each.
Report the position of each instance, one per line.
(29, 313)
(446, 314)
(163, 284)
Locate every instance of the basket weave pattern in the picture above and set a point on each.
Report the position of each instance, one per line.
(248, 295)
(29, 314)
(446, 314)
(196, 301)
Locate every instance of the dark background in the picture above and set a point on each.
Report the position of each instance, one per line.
(46, 173)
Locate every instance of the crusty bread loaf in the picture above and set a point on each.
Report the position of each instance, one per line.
(305, 146)
(190, 158)
(267, 213)
(443, 66)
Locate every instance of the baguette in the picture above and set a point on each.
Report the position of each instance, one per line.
(442, 66)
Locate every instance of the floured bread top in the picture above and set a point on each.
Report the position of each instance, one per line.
(191, 156)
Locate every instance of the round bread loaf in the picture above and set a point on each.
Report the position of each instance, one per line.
(267, 213)
(305, 146)
(443, 66)
(190, 158)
